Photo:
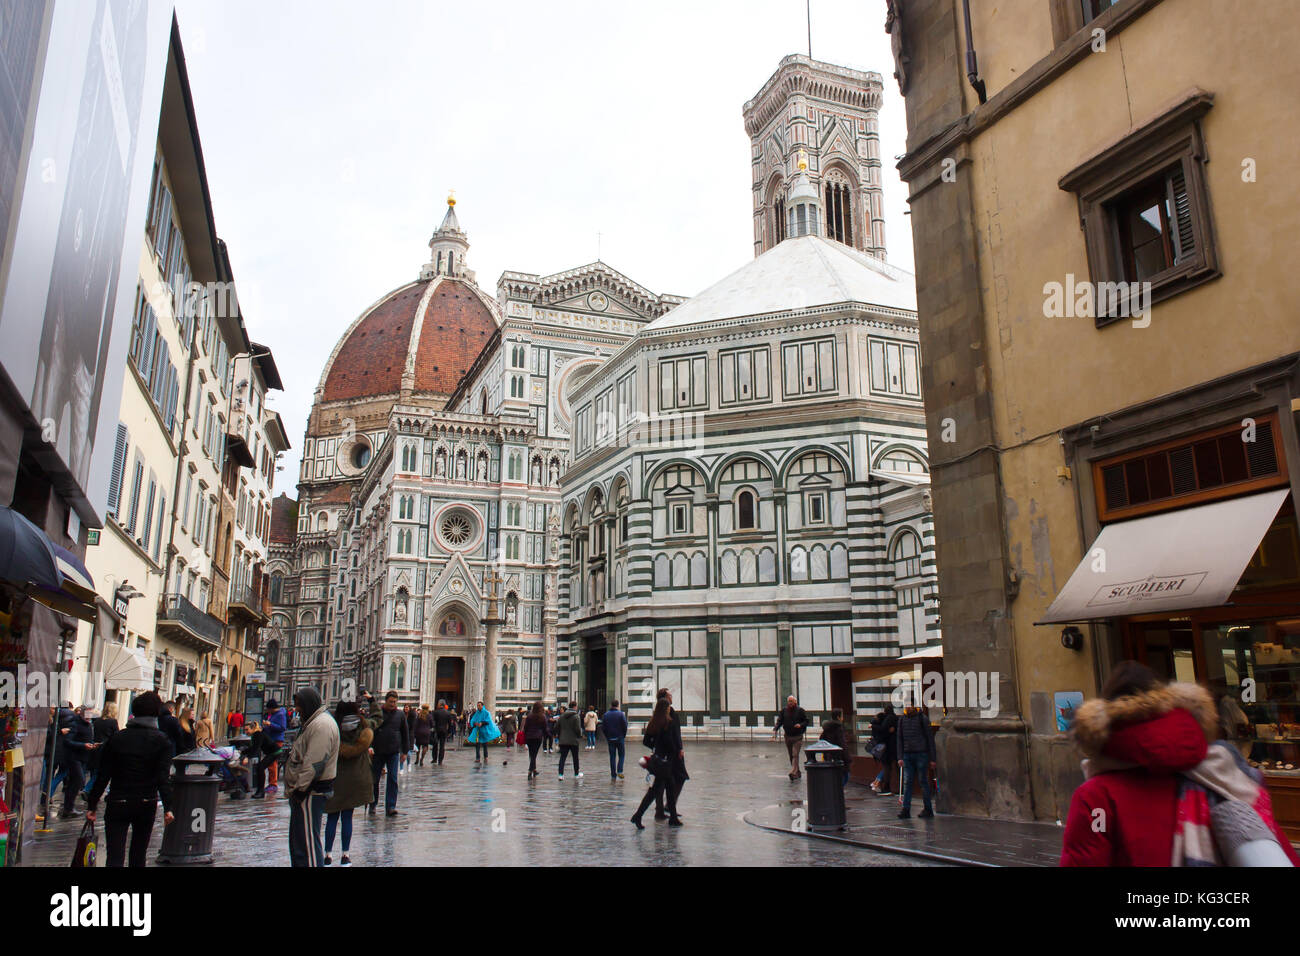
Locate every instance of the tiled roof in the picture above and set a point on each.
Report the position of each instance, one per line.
(371, 358)
(456, 326)
(338, 495)
(284, 519)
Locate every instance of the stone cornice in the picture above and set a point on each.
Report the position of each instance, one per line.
(801, 75)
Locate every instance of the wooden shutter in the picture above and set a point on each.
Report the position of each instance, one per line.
(119, 467)
(1180, 204)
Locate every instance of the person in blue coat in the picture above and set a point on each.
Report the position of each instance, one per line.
(483, 730)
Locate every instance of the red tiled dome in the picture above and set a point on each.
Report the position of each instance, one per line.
(370, 359)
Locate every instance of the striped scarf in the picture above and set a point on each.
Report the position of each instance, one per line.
(1222, 775)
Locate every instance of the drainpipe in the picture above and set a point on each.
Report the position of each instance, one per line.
(972, 65)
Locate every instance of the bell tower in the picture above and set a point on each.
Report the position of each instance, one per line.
(826, 116)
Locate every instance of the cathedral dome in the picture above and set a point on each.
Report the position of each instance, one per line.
(427, 332)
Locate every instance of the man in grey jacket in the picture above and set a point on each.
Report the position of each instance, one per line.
(309, 777)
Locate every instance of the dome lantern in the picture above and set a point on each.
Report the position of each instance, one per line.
(802, 203)
(448, 248)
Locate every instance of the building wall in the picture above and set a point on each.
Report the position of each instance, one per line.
(1010, 378)
(669, 604)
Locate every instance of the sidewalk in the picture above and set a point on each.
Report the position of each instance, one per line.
(873, 824)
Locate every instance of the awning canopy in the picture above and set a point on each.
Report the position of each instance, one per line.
(126, 668)
(47, 572)
(26, 553)
(904, 666)
(1177, 560)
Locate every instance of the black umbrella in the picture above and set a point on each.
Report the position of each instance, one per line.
(26, 554)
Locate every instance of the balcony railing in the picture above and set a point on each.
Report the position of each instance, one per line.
(178, 610)
(247, 599)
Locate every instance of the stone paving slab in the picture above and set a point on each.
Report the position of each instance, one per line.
(447, 816)
(873, 825)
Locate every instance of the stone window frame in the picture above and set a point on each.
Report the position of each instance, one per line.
(1174, 136)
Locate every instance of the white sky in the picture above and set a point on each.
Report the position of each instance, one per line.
(332, 132)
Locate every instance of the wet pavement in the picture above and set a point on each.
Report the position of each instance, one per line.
(463, 814)
(873, 824)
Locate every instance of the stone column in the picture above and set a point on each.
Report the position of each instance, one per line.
(492, 623)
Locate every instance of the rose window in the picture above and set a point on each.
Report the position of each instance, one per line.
(456, 529)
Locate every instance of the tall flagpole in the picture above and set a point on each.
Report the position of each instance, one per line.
(808, 17)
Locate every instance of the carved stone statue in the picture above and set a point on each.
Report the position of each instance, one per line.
(440, 463)
(512, 613)
(460, 466)
(894, 27)
(482, 468)
(399, 612)
(537, 471)
(555, 472)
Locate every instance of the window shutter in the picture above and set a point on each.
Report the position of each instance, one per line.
(1181, 205)
(136, 479)
(119, 466)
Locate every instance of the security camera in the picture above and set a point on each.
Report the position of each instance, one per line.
(1072, 639)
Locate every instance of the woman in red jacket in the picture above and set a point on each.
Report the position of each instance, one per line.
(1152, 775)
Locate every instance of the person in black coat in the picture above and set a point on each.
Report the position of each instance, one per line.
(104, 727)
(444, 726)
(261, 753)
(391, 741)
(679, 774)
(884, 730)
(78, 741)
(793, 721)
(171, 727)
(833, 733)
(135, 768)
(663, 740)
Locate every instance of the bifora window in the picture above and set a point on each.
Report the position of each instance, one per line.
(1145, 212)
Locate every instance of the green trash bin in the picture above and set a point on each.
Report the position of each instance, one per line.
(195, 785)
(824, 769)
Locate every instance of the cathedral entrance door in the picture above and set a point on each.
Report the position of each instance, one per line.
(449, 685)
(596, 660)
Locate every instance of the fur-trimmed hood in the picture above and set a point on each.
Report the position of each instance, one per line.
(1097, 719)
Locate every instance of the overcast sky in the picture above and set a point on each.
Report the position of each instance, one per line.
(332, 132)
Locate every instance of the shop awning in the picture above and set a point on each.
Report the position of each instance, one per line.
(47, 572)
(126, 668)
(903, 666)
(1178, 560)
(26, 553)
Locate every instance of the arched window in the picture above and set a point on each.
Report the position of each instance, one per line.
(906, 555)
(903, 462)
(745, 511)
(839, 208)
(908, 590)
(397, 674)
(509, 674)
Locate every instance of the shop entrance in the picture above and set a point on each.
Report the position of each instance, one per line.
(449, 684)
(1169, 648)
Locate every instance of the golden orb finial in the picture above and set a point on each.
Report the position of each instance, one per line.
(451, 197)
(803, 160)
